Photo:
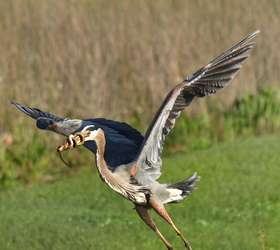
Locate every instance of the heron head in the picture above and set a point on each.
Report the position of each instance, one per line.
(44, 123)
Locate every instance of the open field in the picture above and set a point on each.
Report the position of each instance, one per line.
(236, 206)
(90, 58)
(119, 58)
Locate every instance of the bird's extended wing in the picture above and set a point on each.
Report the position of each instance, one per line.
(48, 121)
(207, 80)
(37, 113)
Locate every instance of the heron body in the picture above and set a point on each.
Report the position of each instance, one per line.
(153, 195)
(129, 163)
(123, 183)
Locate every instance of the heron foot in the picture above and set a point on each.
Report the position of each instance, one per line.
(186, 242)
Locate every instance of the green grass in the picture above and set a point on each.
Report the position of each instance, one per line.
(237, 206)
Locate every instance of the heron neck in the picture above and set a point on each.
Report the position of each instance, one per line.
(127, 190)
(103, 170)
(100, 144)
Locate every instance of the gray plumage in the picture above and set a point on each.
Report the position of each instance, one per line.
(48, 121)
(207, 80)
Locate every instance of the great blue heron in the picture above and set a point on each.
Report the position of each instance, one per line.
(137, 181)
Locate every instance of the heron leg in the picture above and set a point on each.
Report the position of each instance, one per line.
(160, 209)
(145, 216)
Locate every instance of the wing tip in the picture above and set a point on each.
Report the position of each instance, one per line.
(14, 103)
(18, 106)
(250, 36)
(255, 33)
(25, 109)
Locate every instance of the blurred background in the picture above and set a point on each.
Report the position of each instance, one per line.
(118, 59)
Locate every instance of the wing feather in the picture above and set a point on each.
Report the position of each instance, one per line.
(37, 113)
(45, 120)
(207, 80)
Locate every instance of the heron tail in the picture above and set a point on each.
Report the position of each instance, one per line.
(180, 190)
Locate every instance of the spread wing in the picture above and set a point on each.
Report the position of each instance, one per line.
(37, 113)
(48, 121)
(207, 80)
